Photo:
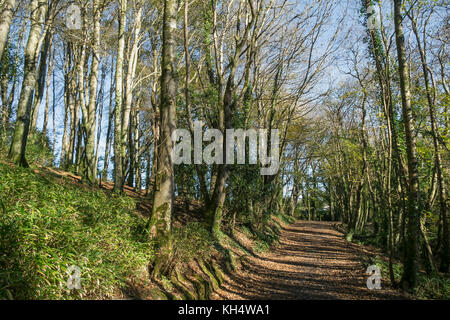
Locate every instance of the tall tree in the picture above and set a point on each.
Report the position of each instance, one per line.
(409, 278)
(130, 84)
(38, 9)
(118, 161)
(421, 44)
(89, 110)
(164, 180)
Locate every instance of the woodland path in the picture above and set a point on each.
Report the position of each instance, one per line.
(312, 261)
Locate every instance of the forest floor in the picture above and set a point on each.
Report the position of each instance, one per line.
(312, 261)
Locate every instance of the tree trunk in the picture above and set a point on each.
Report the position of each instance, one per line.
(445, 260)
(129, 84)
(5, 21)
(20, 136)
(90, 110)
(164, 181)
(409, 278)
(118, 161)
(47, 95)
(40, 83)
(110, 120)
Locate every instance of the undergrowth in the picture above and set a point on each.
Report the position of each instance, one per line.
(430, 286)
(434, 286)
(48, 225)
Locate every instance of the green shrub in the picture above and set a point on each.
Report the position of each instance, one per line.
(433, 287)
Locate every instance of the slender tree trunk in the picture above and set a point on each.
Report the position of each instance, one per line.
(156, 133)
(20, 136)
(110, 121)
(293, 200)
(74, 115)
(445, 260)
(118, 161)
(148, 172)
(40, 83)
(129, 86)
(137, 155)
(89, 110)
(409, 278)
(164, 184)
(67, 110)
(100, 102)
(47, 96)
(6, 15)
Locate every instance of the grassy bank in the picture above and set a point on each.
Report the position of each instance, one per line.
(48, 224)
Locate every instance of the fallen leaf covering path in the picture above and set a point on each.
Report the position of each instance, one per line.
(312, 261)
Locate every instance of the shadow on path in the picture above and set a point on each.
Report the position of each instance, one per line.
(312, 261)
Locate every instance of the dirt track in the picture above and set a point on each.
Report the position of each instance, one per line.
(313, 261)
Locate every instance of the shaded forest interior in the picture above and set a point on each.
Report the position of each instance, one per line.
(93, 91)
